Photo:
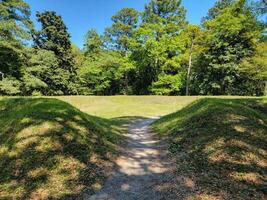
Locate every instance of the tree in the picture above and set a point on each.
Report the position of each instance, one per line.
(256, 64)
(100, 74)
(164, 12)
(93, 42)
(119, 37)
(219, 6)
(10, 86)
(227, 43)
(192, 34)
(121, 31)
(44, 75)
(15, 28)
(55, 37)
(255, 67)
(77, 55)
(157, 48)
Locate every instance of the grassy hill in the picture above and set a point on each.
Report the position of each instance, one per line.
(50, 149)
(220, 146)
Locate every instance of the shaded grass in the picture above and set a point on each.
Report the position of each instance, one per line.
(221, 145)
(55, 149)
(51, 150)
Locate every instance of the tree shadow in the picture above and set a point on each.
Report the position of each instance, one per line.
(143, 170)
(51, 150)
(222, 144)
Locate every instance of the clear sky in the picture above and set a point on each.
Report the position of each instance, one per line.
(81, 15)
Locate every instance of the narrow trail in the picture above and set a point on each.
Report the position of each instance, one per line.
(142, 167)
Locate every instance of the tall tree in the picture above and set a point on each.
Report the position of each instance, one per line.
(227, 43)
(93, 43)
(121, 31)
(100, 73)
(55, 37)
(78, 55)
(219, 6)
(193, 36)
(164, 12)
(157, 49)
(15, 27)
(255, 68)
(119, 37)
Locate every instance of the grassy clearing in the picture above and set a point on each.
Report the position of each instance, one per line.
(51, 150)
(121, 106)
(220, 146)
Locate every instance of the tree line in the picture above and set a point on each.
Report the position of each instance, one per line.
(156, 51)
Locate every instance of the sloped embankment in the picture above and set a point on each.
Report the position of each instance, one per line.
(220, 146)
(51, 150)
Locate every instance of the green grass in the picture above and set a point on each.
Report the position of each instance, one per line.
(51, 150)
(121, 106)
(58, 147)
(221, 145)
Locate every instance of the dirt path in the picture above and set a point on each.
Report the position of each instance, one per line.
(142, 169)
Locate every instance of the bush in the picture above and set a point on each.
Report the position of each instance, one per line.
(37, 93)
(10, 86)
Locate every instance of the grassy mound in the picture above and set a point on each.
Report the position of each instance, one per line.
(221, 146)
(51, 150)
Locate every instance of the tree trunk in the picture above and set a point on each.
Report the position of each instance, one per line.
(189, 69)
(126, 85)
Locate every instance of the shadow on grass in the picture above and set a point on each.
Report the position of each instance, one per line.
(51, 150)
(221, 144)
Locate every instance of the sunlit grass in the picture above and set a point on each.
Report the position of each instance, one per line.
(121, 106)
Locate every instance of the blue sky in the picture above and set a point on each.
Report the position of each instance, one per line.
(81, 15)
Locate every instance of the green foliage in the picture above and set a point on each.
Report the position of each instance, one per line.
(54, 37)
(153, 52)
(44, 74)
(15, 20)
(256, 65)
(36, 93)
(121, 31)
(169, 12)
(93, 42)
(227, 43)
(101, 75)
(78, 55)
(33, 84)
(15, 26)
(219, 6)
(157, 47)
(167, 84)
(10, 86)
